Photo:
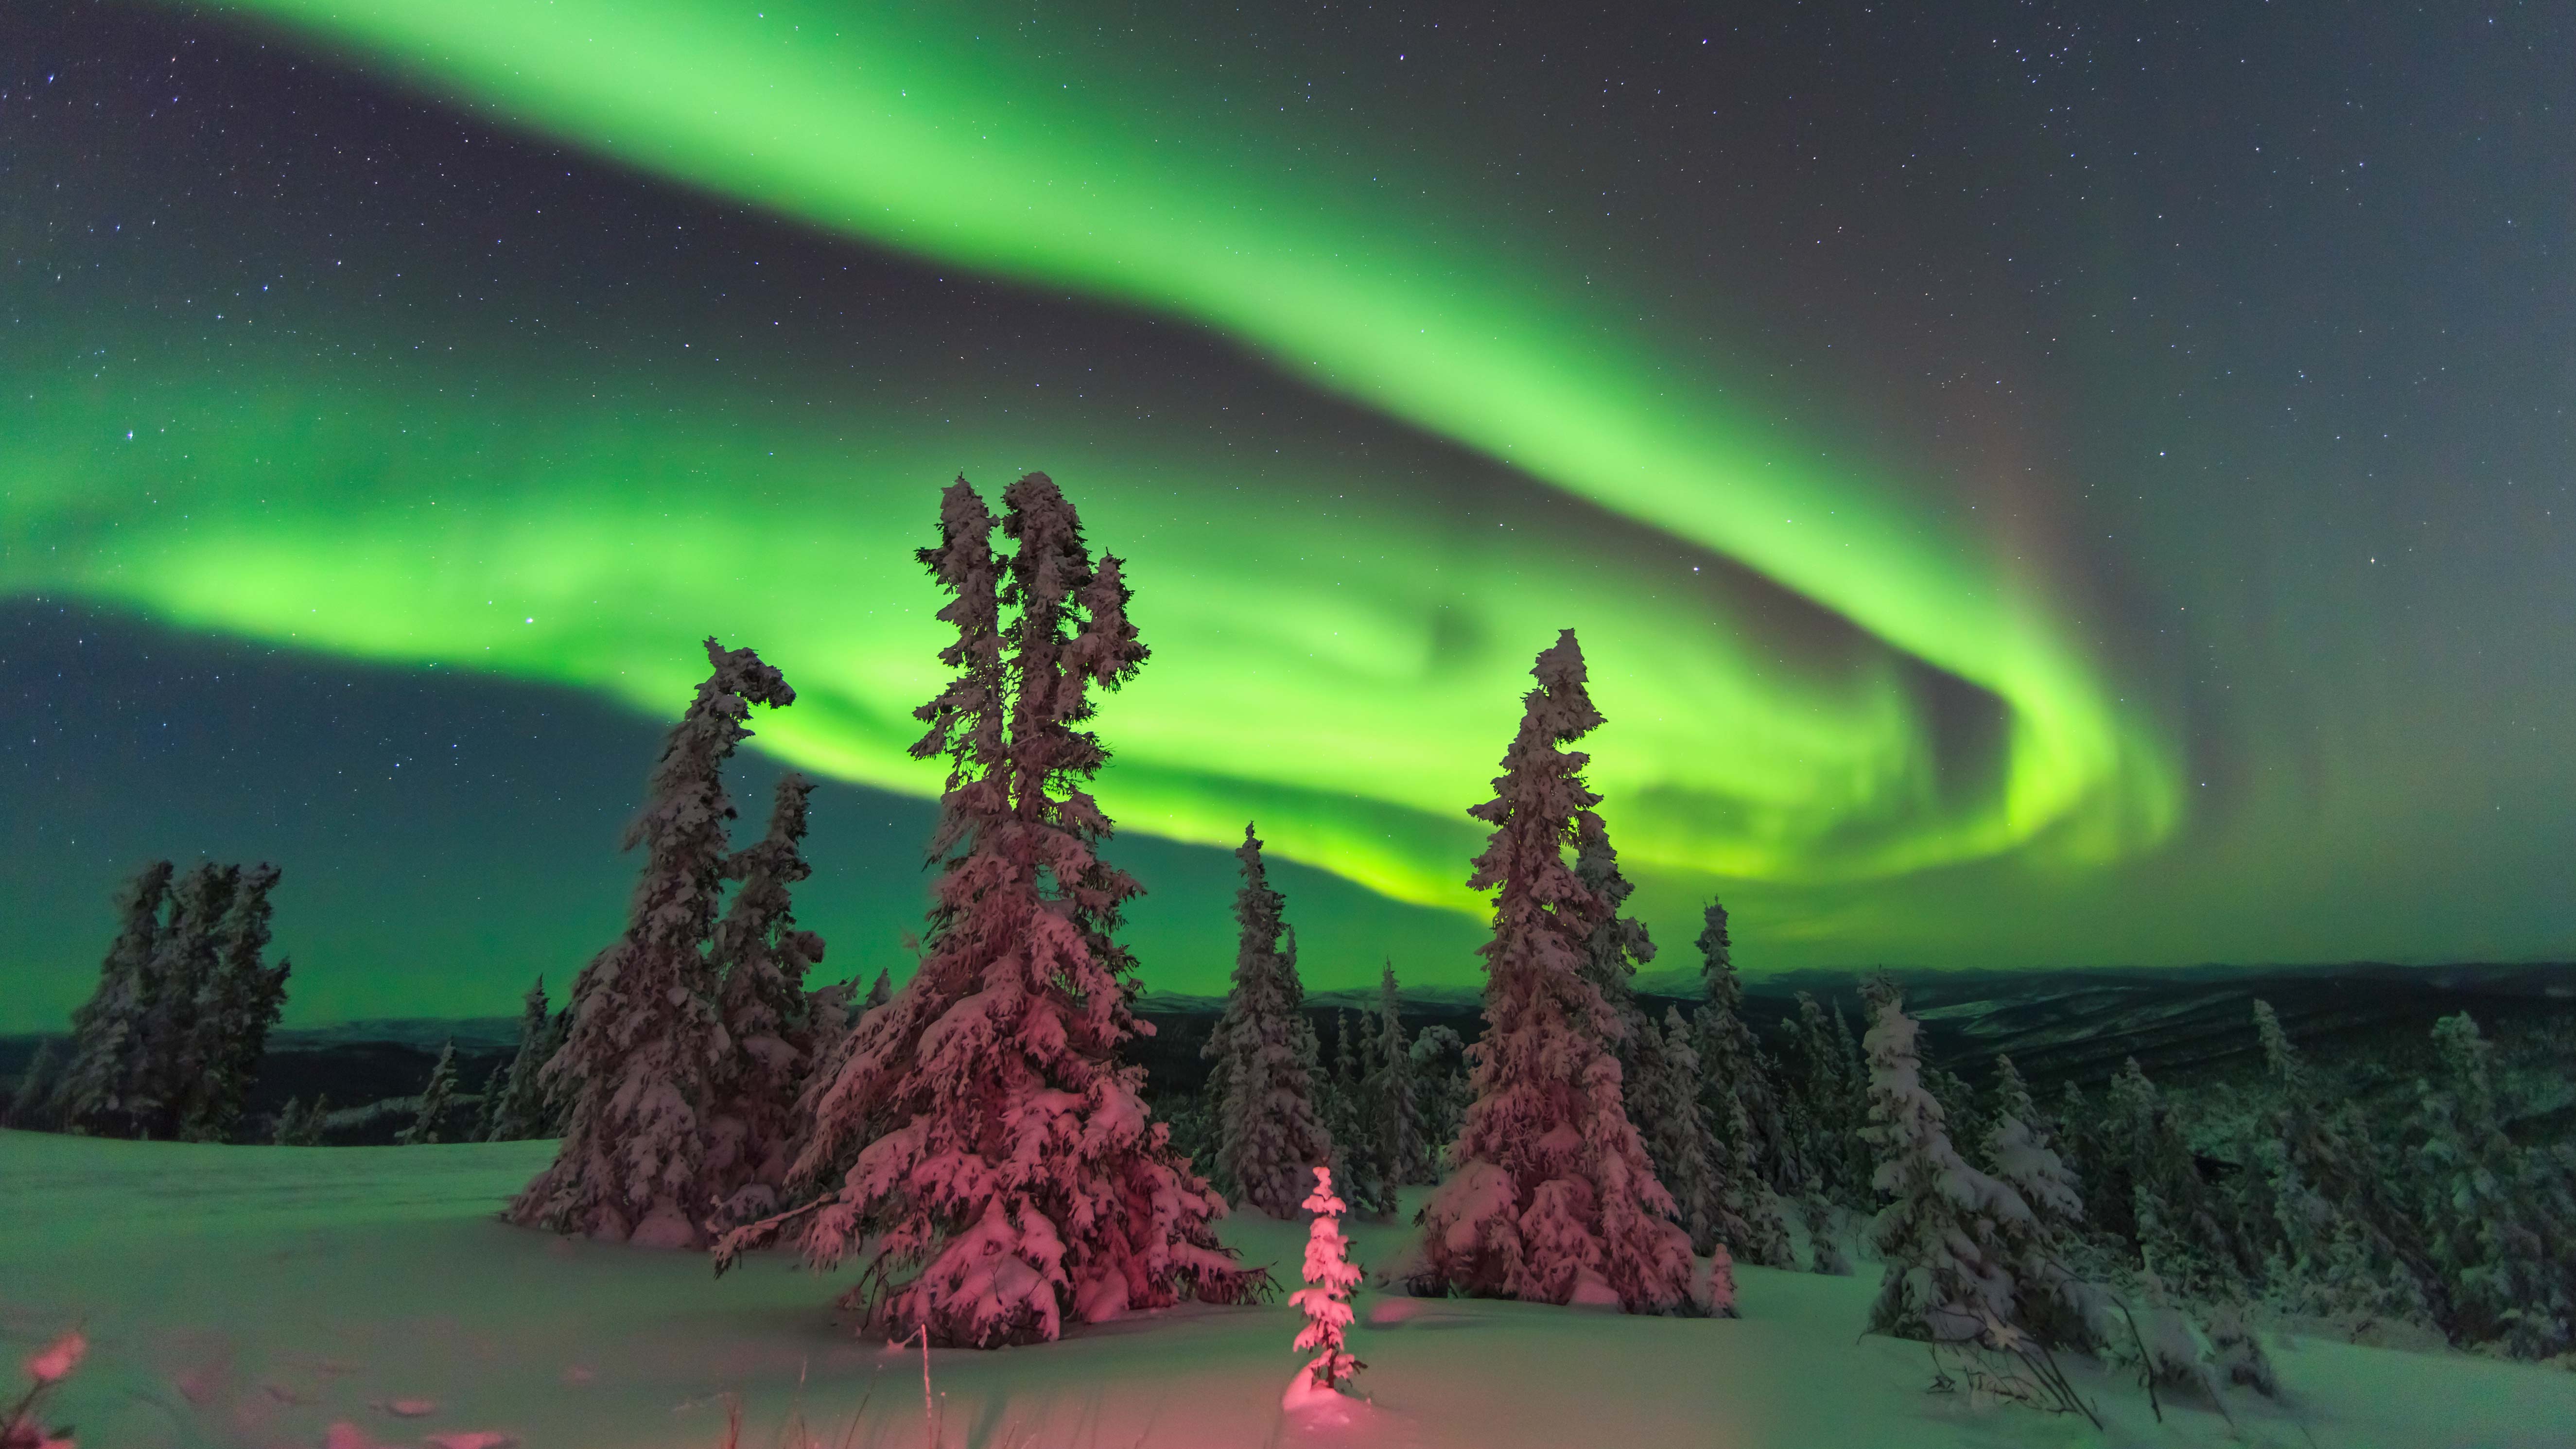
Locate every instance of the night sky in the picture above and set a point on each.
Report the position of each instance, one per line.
(2036, 485)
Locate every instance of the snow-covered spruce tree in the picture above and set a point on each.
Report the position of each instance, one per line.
(1617, 946)
(436, 1100)
(1360, 1167)
(1270, 1134)
(1758, 1161)
(2147, 1158)
(762, 957)
(1833, 1091)
(2043, 1249)
(1958, 1103)
(2351, 1244)
(1393, 1100)
(1440, 1070)
(290, 1123)
(1965, 1260)
(1688, 1157)
(1010, 1176)
(184, 959)
(1326, 1298)
(237, 1006)
(96, 1095)
(1551, 1198)
(832, 1016)
(2508, 1260)
(30, 1102)
(519, 1107)
(644, 1042)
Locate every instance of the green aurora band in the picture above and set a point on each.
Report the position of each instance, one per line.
(1348, 681)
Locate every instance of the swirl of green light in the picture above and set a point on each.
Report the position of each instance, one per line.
(908, 132)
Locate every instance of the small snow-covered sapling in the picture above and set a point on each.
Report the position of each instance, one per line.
(1326, 1298)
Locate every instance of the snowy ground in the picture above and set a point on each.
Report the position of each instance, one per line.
(243, 1296)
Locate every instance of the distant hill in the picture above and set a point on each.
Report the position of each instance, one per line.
(2183, 1025)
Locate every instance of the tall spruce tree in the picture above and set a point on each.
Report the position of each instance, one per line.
(1552, 1198)
(1393, 1101)
(1688, 1156)
(1617, 946)
(1441, 1068)
(2020, 1153)
(762, 956)
(1760, 1160)
(238, 1004)
(1360, 1162)
(2351, 1242)
(429, 1123)
(109, 1030)
(2178, 1222)
(1965, 1261)
(644, 1043)
(518, 1110)
(1271, 1134)
(185, 957)
(1833, 1090)
(1011, 1175)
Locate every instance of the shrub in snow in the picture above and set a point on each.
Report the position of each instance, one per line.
(518, 1108)
(1326, 1298)
(2234, 1355)
(644, 1041)
(1270, 1135)
(983, 1146)
(762, 957)
(1552, 1197)
(435, 1101)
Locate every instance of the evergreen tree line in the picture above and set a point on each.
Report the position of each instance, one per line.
(168, 1045)
(979, 1145)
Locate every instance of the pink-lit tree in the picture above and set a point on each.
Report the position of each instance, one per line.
(982, 1148)
(1552, 1197)
(1326, 1298)
(762, 956)
(645, 1040)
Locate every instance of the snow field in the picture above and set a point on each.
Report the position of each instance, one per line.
(256, 1296)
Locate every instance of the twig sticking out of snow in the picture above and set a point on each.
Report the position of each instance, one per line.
(19, 1428)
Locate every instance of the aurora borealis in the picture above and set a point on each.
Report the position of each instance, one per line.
(1952, 439)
